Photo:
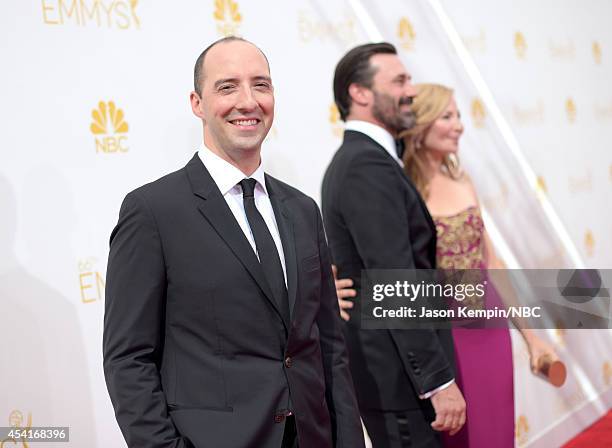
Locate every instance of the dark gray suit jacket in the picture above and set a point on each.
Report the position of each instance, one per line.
(195, 350)
(376, 219)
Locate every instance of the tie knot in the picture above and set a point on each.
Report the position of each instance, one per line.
(248, 187)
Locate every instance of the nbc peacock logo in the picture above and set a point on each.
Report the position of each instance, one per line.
(406, 34)
(478, 113)
(522, 430)
(334, 119)
(227, 16)
(520, 45)
(109, 127)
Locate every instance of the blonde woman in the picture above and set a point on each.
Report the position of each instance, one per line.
(483, 356)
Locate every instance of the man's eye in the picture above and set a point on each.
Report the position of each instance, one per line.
(226, 87)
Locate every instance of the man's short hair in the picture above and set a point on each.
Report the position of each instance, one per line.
(198, 71)
(355, 67)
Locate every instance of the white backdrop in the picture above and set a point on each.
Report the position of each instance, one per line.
(532, 80)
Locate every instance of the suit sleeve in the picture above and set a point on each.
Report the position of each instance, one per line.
(133, 328)
(376, 212)
(340, 393)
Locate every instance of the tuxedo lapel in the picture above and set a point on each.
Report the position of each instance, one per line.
(356, 136)
(216, 211)
(421, 201)
(287, 235)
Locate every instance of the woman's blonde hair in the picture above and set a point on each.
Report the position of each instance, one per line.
(429, 104)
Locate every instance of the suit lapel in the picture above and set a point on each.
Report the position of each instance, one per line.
(287, 235)
(421, 201)
(359, 135)
(216, 211)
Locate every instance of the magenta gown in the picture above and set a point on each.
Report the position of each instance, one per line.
(483, 356)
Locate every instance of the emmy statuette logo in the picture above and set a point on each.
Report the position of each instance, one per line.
(522, 430)
(596, 49)
(560, 334)
(478, 113)
(589, 243)
(607, 373)
(520, 45)
(16, 421)
(541, 185)
(570, 110)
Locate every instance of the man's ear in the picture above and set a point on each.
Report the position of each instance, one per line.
(196, 104)
(359, 94)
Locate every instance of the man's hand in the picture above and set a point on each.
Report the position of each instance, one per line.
(450, 410)
(343, 290)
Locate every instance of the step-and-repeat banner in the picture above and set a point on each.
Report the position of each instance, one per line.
(95, 103)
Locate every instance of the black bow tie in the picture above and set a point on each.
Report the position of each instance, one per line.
(400, 147)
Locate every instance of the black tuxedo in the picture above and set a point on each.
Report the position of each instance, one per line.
(375, 219)
(195, 349)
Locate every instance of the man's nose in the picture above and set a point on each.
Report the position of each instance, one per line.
(410, 90)
(246, 100)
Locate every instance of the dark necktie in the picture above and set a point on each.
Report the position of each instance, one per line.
(266, 249)
(400, 147)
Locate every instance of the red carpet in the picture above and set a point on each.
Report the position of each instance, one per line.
(598, 435)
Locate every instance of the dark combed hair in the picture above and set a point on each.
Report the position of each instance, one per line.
(354, 67)
(198, 73)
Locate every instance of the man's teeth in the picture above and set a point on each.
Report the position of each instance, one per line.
(246, 122)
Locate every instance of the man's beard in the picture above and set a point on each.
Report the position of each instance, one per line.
(387, 112)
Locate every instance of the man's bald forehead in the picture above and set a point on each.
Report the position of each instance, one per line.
(199, 72)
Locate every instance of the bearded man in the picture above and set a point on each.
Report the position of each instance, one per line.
(376, 219)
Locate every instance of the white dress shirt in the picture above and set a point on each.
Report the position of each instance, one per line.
(227, 177)
(376, 133)
(386, 140)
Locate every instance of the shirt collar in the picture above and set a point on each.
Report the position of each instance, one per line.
(226, 175)
(376, 133)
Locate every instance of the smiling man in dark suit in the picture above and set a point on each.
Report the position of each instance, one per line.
(222, 325)
(376, 219)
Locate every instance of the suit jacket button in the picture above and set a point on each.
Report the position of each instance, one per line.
(279, 418)
(288, 362)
